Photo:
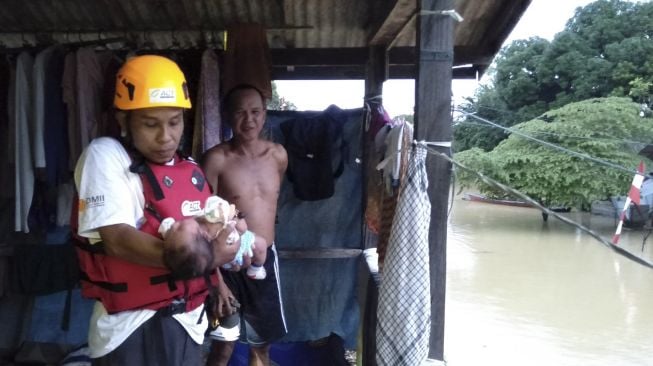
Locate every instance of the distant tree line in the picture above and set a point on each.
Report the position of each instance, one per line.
(605, 50)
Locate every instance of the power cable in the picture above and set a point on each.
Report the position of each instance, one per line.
(554, 146)
(564, 135)
(622, 251)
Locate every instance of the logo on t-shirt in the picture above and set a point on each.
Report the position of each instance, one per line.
(191, 208)
(90, 202)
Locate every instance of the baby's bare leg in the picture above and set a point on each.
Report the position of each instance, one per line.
(260, 251)
(256, 270)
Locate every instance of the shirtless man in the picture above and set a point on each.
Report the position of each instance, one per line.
(248, 171)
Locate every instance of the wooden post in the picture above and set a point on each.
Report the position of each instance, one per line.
(377, 71)
(433, 123)
(376, 74)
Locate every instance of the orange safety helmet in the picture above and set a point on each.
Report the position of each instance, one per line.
(150, 81)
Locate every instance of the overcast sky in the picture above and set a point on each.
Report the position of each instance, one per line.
(543, 18)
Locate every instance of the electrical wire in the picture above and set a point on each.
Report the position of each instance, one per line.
(516, 193)
(554, 146)
(632, 142)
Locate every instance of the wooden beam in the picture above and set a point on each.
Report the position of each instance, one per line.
(352, 63)
(359, 56)
(435, 34)
(357, 72)
(319, 56)
(376, 72)
(394, 23)
(347, 72)
(507, 15)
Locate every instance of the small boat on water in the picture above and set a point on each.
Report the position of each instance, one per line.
(481, 198)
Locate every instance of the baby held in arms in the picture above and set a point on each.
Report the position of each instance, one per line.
(191, 245)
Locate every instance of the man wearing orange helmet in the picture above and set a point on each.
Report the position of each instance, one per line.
(145, 315)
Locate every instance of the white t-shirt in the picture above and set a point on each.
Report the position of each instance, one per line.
(110, 194)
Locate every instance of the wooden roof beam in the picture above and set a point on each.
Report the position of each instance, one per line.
(395, 22)
(357, 72)
(359, 56)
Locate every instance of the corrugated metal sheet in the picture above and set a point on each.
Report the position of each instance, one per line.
(291, 24)
(326, 23)
(331, 23)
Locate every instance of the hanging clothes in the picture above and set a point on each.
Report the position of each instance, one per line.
(247, 58)
(377, 126)
(55, 122)
(404, 311)
(89, 93)
(68, 87)
(6, 135)
(315, 149)
(38, 106)
(391, 165)
(108, 124)
(208, 120)
(319, 295)
(394, 166)
(376, 119)
(65, 198)
(51, 153)
(22, 113)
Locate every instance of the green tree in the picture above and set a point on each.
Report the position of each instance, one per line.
(604, 48)
(279, 103)
(604, 128)
(641, 90)
(468, 132)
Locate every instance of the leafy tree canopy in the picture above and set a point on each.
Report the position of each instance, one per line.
(606, 49)
(279, 103)
(609, 129)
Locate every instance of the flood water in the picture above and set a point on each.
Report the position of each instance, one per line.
(524, 292)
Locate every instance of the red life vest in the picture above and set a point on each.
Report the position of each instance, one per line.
(177, 191)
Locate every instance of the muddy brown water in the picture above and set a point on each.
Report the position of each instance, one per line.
(524, 292)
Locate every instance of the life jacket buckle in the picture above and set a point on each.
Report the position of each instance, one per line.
(176, 307)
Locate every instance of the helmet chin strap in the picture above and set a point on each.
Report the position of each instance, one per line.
(126, 136)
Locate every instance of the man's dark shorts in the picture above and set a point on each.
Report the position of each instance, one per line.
(260, 303)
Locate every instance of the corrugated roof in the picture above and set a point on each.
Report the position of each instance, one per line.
(291, 24)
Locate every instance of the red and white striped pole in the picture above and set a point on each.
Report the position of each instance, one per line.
(633, 196)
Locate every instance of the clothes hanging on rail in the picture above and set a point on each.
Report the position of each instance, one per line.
(90, 85)
(22, 114)
(397, 143)
(207, 131)
(377, 126)
(315, 153)
(7, 170)
(50, 116)
(395, 158)
(319, 295)
(247, 58)
(108, 124)
(68, 87)
(38, 106)
(404, 310)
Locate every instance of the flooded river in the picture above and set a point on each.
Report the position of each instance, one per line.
(524, 292)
